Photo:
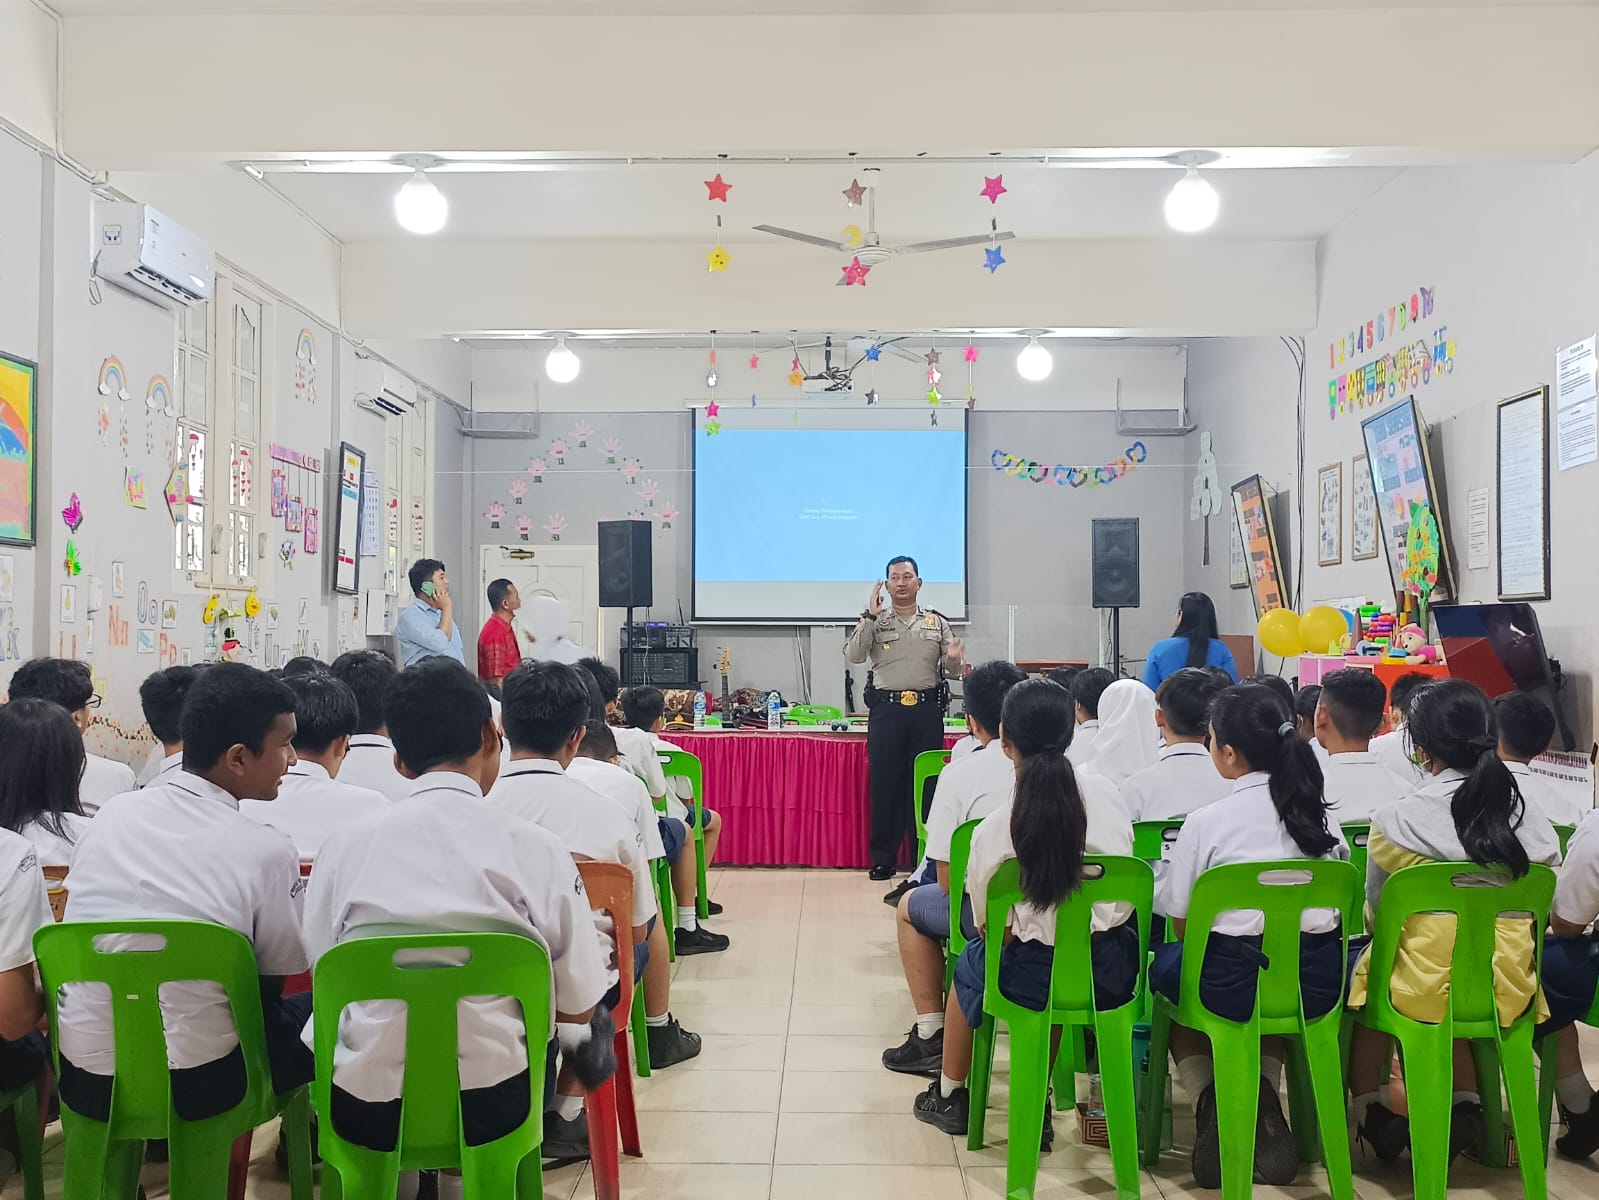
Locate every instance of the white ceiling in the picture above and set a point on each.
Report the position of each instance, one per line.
(127, 8)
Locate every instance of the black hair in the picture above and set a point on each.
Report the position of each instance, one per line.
(1063, 676)
(1354, 700)
(1278, 687)
(1089, 686)
(62, 681)
(598, 742)
(1048, 823)
(422, 570)
(324, 711)
(985, 690)
(545, 704)
(499, 589)
(1185, 698)
(1220, 675)
(41, 765)
(161, 695)
(610, 682)
(1196, 621)
(1526, 724)
(492, 688)
(304, 664)
(368, 674)
(596, 696)
(643, 706)
(1452, 722)
(435, 713)
(230, 704)
(1305, 701)
(902, 558)
(1254, 721)
(1403, 688)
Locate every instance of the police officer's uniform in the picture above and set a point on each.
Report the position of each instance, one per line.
(906, 696)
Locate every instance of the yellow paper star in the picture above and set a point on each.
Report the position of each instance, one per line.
(718, 259)
(796, 378)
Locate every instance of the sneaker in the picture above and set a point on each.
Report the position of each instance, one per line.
(700, 940)
(1206, 1160)
(713, 908)
(948, 1113)
(671, 1044)
(892, 897)
(1466, 1130)
(565, 1141)
(1386, 1132)
(880, 874)
(1581, 1138)
(916, 1055)
(1276, 1152)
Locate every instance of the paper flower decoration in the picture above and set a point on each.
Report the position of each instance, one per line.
(854, 193)
(630, 469)
(668, 515)
(856, 273)
(73, 563)
(518, 490)
(971, 354)
(524, 526)
(495, 513)
(72, 514)
(558, 448)
(553, 526)
(993, 188)
(649, 491)
(536, 468)
(717, 259)
(993, 259)
(581, 432)
(718, 188)
(611, 448)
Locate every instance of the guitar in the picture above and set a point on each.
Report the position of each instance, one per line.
(724, 664)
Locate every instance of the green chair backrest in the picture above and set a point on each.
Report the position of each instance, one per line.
(1564, 832)
(680, 764)
(1477, 896)
(1153, 840)
(363, 969)
(929, 764)
(814, 714)
(960, 853)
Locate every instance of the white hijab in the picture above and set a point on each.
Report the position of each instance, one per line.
(545, 618)
(1128, 738)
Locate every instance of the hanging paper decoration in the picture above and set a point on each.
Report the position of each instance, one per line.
(313, 531)
(854, 193)
(713, 427)
(934, 376)
(113, 378)
(213, 605)
(718, 188)
(717, 259)
(874, 352)
(294, 514)
(581, 432)
(796, 377)
(103, 424)
(280, 492)
(971, 353)
(252, 605)
(73, 563)
(72, 514)
(852, 237)
(1018, 467)
(177, 492)
(305, 367)
(932, 357)
(993, 188)
(158, 394)
(856, 273)
(286, 552)
(993, 259)
(553, 526)
(933, 395)
(711, 376)
(133, 490)
(755, 361)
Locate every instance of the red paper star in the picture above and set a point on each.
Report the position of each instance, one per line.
(993, 187)
(718, 188)
(856, 273)
(712, 409)
(971, 353)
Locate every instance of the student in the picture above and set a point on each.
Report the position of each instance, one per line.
(1128, 738)
(1526, 727)
(1349, 710)
(41, 762)
(24, 910)
(182, 851)
(1087, 688)
(66, 682)
(598, 765)
(967, 791)
(313, 800)
(546, 714)
(1470, 810)
(1194, 643)
(1184, 778)
(1278, 686)
(1063, 676)
(1570, 979)
(1274, 811)
(161, 696)
(370, 761)
(443, 860)
(1305, 701)
(1393, 749)
(1047, 828)
(497, 650)
(637, 746)
(303, 664)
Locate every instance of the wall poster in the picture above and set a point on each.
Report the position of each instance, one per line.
(1253, 516)
(1330, 515)
(1522, 475)
(1362, 511)
(19, 409)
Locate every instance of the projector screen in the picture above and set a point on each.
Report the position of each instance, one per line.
(795, 520)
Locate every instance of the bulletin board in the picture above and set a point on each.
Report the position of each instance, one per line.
(1252, 513)
(1399, 454)
(19, 467)
(347, 521)
(1522, 479)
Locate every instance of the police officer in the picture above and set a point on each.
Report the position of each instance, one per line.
(910, 649)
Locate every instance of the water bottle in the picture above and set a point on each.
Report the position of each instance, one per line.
(1096, 1099)
(699, 710)
(774, 711)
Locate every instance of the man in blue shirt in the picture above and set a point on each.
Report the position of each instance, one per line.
(427, 629)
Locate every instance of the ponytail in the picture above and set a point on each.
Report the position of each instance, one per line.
(1254, 721)
(1048, 823)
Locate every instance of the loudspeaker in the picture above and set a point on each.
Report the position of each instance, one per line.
(1115, 559)
(626, 576)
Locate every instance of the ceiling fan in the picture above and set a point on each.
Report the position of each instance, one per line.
(872, 252)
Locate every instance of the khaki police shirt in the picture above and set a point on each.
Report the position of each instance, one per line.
(906, 653)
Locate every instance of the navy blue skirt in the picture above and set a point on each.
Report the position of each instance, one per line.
(1024, 970)
(1229, 977)
(1570, 979)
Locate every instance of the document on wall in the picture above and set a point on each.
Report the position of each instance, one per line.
(1576, 373)
(1479, 545)
(1577, 434)
(1577, 404)
(1523, 507)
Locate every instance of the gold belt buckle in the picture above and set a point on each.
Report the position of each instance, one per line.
(909, 699)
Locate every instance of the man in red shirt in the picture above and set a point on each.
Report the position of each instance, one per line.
(497, 650)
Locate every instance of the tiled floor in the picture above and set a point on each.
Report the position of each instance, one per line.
(789, 1101)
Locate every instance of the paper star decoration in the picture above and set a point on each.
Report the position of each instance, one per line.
(873, 353)
(971, 353)
(932, 357)
(854, 193)
(993, 259)
(718, 188)
(712, 409)
(934, 375)
(993, 187)
(755, 361)
(795, 365)
(718, 259)
(796, 378)
(871, 397)
(856, 273)
(712, 428)
(933, 396)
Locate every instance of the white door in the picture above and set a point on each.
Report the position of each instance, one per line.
(571, 574)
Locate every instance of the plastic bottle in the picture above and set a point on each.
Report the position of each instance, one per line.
(774, 711)
(699, 710)
(1096, 1099)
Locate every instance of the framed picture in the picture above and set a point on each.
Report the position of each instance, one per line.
(1238, 560)
(19, 467)
(1252, 513)
(1522, 476)
(1330, 515)
(1362, 511)
(1399, 451)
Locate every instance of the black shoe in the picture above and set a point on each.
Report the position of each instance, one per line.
(892, 896)
(1466, 1130)
(565, 1141)
(671, 1044)
(1206, 1160)
(427, 1185)
(1276, 1153)
(1581, 1138)
(916, 1055)
(713, 908)
(948, 1113)
(1386, 1132)
(880, 874)
(1046, 1139)
(700, 940)
(155, 1150)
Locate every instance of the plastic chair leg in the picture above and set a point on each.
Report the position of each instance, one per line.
(119, 1167)
(1485, 1060)
(30, 1141)
(1324, 1067)
(1532, 1137)
(983, 1038)
(1154, 1114)
(1546, 1088)
(1029, 1086)
(1302, 1103)
(702, 894)
(203, 1165)
(1237, 1061)
(641, 1039)
(488, 1176)
(530, 1178)
(239, 1165)
(1429, 1087)
(1113, 1033)
(604, 1150)
(297, 1133)
(626, 1112)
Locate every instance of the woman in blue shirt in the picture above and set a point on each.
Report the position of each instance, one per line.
(1193, 644)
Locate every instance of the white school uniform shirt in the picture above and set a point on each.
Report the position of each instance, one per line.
(54, 849)
(1082, 739)
(967, 745)
(637, 748)
(1577, 883)
(968, 790)
(167, 766)
(180, 851)
(1393, 751)
(102, 779)
(370, 764)
(1322, 754)
(628, 790)
(311, 804)
(1536, 790)
(1357, 785)
(444, 860)
(1183, 779)
(1241, 827)
(24, 902)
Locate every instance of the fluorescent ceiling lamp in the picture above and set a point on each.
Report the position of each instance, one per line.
(561, 365)
(419, 206)
(1034, 363)
(1192, 204)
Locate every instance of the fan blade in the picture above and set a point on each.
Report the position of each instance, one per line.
(809, 238)
(982, 239)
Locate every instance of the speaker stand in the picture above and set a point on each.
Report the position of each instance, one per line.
(1116, 642)
(630, 665)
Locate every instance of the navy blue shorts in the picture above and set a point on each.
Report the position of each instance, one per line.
(1228, 979)
(1570, 979)
(673, 835)
(927, 905)
(22, 1061)
(1024, 970)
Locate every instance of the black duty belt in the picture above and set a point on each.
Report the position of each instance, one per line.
(876, 697)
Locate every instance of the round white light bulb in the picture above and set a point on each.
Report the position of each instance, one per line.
(419, 206)
(1192, 204)
(1034, 363)
(561, 365)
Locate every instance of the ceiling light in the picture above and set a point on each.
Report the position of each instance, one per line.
(1192, 204)
(561, 365)
(419, 206)
(1034, 363)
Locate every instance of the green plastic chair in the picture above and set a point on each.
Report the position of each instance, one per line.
(929, 764)
(960, 853)
(680, 764)
(1476, 896)
(23, 1104)
(665, 897)
(813, 714)
(1564, 832)
(1282, 899)
(1358, 834)
(103, 1157)
(1153, 840)
(499, 964)
(1071, 1003)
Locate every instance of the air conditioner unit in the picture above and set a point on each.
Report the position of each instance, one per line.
(379, 389)
(141, 251)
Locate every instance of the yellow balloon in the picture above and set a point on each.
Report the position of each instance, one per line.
(853, 236)
(1321, 628)
(1278, 632)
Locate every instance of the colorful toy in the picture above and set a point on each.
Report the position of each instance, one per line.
(1411, 646)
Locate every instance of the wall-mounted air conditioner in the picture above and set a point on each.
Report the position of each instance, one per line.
(382, 390)
(141, 251)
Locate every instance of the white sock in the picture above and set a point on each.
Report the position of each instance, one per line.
(947, 1087)
(1198, 1072)
(1575, 1093)
(451, 1186)
(1271, 1070)
(928, 1024)
(409, 1182)
(658, 1022)
(1363, 1102)
(1464, 1098)
(688, 918)
(568, 1107)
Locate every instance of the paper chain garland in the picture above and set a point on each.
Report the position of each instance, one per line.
(1068, 476)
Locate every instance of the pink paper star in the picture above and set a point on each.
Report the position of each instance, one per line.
(718, 188)
(971, 353)
(856, 273)
(993, 187)
(854, 193)
(795, 365)
(712, 409)
(755, 361)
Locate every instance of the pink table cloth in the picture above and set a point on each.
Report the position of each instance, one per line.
(792, 799)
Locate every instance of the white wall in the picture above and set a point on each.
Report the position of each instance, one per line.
(28, 82)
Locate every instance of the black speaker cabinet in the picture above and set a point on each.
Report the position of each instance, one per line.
(1115, 559)
(626, 576)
